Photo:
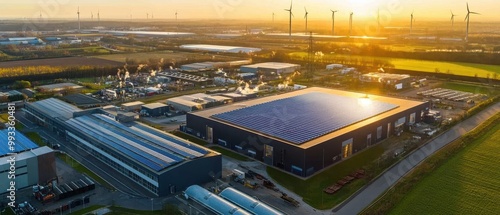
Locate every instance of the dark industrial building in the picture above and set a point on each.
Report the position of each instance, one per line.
(154, 109)
(307, 130)
(157, 161)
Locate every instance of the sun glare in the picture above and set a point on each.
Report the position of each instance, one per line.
(363, 8)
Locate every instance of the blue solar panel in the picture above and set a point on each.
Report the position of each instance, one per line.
(22, 143)
(305, 117)
(127, 149)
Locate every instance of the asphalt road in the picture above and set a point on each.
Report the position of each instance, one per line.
(364, 197)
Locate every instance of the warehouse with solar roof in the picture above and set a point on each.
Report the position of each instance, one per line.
(157, 161)
(307, 130)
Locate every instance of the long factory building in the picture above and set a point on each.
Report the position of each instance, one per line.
(307, 130)
(159, 162)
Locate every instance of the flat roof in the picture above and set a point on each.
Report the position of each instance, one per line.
(129, 104)
(22, 143)
(26, 154)
(287, 116)
(59, 86)
(148, 146)
(55, 108)
(304, 117)
(154, 105)
(218, 48)
(80, 99)
(271, 65)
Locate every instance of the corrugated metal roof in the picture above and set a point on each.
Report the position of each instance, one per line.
(213, 202)
(154, 105)
(248, 203)
(55, 108)
(149, 147)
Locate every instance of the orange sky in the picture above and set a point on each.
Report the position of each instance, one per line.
(424, 10)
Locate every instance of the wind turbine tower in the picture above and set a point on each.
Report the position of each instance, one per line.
(452, 21)
(78, 13)
(333, 21)
(91, 16)
(350, 24)
(290, 19)
(98, 18)
(305, 17)
(273, 17)
(468, 18)
(411, 22)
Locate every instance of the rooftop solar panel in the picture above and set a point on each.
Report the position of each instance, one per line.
(22, 143)
(305, 117)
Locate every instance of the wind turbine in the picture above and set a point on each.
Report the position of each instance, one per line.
(467, 18)
(305, 17)
(98, 18)
(273, 17)
(290, 19)
(152, 16)
(147, 15)
(411, 22)
(452, 20)
(40, 14)
(175, 16)
(91, 16)
(333, 21)
(350, 24)
(78, 13)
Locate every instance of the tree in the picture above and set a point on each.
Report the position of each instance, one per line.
(21, 84)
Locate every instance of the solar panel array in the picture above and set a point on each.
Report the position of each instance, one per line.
(136, 142)
(22, 143)
(305, 117)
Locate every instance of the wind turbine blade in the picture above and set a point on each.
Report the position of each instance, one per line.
(291, 3)
(466, 17)
(467, 6)
(475, 13)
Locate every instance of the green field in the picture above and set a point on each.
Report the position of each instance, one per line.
(471, 88)
(466, 184)
(311, 189)
(455, 68)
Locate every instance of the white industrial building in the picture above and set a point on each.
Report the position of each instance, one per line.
(217, 48)
(132, 106)
(270, 68)
(197, 101)
(334, 66)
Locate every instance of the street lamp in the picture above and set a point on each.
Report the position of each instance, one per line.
(151, 204)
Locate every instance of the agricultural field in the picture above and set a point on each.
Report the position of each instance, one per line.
(471, 88)
(168, 56)
(454, 68)
(466, 184)
(67, 61)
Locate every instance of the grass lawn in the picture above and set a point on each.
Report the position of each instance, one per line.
(8, 211)
(82, 169)
(311, 189)
(471, 88)
(35, 137)
(465, 184)
(455, 68)
(87, 210)
(190, 138)
(230, 153)
(126, 211)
